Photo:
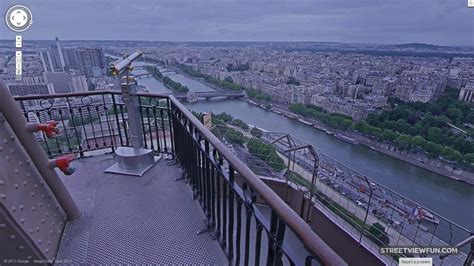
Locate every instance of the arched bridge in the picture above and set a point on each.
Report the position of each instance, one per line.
(208, 95)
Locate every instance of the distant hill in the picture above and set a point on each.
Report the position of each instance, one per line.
(418, 46)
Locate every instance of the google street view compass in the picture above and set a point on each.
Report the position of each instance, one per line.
(18, 18)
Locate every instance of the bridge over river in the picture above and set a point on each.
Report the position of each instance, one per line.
(194, 96)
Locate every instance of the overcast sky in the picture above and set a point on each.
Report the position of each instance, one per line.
(445, 22)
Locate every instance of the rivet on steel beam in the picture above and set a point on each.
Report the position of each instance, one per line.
(5, 141)
(40, 242)
(12, 237)
(2, 183)
(28, 174)
(37, 229)
(51, 232)
(7, 158)
(31, 231)
(12, 151)
(20, 163)
(16, 186)
(22, 220)
(42, 221)
(46, 214)
(21, 247)
(17, 171)
(2, 226)
(32, 194)
(40, 204)
(12, 137)
(21, 207)
(3, 196)
(13, 209)
(25, 183)
(33, 209)
(1, 149)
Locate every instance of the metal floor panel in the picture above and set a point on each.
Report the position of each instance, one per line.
(151, 219)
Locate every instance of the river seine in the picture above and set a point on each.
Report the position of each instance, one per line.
(452, 199)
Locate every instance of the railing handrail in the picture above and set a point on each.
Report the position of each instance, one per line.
(63, 95)
(311, 241)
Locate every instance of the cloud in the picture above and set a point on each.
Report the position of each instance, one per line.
(367, 21)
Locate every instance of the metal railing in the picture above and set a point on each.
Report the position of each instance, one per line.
(97, 121)
(230, 194)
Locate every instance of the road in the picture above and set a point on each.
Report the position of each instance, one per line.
(356, 203)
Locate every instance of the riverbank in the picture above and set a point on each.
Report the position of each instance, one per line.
(432, 165)
(168, 82)
(353, 138)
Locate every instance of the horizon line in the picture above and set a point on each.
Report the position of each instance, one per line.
(250, 41)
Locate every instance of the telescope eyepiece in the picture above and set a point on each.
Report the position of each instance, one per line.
(124, 63)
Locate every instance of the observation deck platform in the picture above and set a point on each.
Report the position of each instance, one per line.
(135, 220)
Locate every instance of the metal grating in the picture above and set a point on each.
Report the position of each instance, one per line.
(151, 219)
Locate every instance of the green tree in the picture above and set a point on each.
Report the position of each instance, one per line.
(361, 126)
(455, 114)
(266, 152)
(405, 140)
(451, 154)
(389, 135)
(378, 235)
(256, 132)
(435, 135)
(418, 141)
(469, 157)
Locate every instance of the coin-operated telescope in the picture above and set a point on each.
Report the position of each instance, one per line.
(135, 160)
(124, 63)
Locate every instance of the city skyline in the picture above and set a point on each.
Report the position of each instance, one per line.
(367, 22)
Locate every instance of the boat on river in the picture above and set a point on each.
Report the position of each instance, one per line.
(276, 112)
(305, 122)
(290, 116)
(347, 139)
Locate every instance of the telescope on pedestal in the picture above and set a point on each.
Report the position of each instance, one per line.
(133, 160)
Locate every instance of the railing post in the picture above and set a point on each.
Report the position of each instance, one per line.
(276, 236)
